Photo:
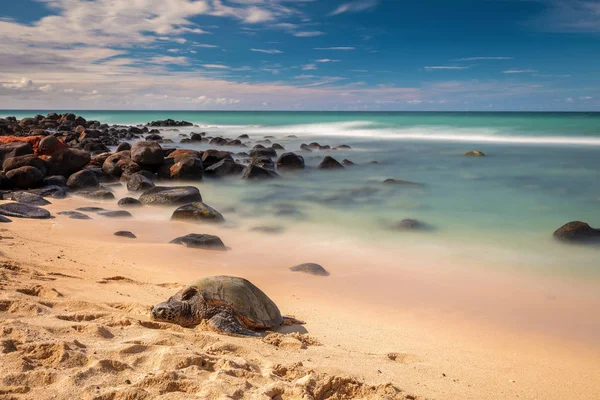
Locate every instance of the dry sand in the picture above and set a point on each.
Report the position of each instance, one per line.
(74, 302)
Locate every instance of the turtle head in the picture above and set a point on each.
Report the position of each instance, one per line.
(179, 309)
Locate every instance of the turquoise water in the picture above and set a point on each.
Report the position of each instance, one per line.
(542, 170)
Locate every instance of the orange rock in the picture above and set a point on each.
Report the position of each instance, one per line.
(34, 141)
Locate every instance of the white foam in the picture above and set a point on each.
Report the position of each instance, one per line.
(375, 131)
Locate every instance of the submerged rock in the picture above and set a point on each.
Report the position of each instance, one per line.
(29, 198)
(290, 161)
(138, 182)
(125, 234)
(100, 194)
(310, 268)
(200, 241)
(254, 172)
(74, 215)
(347, 163)
(408, 224)
(129, 202)
(577, 231)
(19, 210)
(91, 209)
(223, 168)
(330, 163)
(116, 214)
(474, 153)
(197, 212)
(176, 195)
(399, 182)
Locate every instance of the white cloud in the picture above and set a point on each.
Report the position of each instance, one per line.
(169, 60)
(309, 67)
(414, 101)
(46, 88)
(309, 34)
(335, 48)
(444, 67)
(205, 46)
(355, 6)
(23, 83)
(215, 66)
(483, 58)
(267, 51)
(586, 98)
(570, 100)
(327, 60)
(519, 71)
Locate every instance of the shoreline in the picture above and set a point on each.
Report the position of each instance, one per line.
(425, 326)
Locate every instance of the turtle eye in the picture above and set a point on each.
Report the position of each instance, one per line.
(188, 294)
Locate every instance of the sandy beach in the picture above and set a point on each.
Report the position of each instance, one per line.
(75, 319)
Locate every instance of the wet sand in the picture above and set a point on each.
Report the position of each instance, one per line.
(453, 330)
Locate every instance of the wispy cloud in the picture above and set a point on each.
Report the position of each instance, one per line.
(444, 67)
(483, 58)
(267, 51)
(205, 46)
(336, 48)
(215, 66)
(519, 71)
(309, 67)
(355, 6)
(327, 60)
(309, 34)
(169, 60)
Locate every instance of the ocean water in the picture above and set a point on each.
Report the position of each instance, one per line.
(542, 170)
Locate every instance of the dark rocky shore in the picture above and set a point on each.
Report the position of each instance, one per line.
(58, 155)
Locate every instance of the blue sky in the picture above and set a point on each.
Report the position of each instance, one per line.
(538, 55)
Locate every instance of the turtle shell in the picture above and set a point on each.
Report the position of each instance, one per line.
(251, 304)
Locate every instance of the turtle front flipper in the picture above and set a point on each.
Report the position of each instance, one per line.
(229, 324)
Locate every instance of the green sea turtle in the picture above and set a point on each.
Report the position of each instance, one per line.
(228, 304)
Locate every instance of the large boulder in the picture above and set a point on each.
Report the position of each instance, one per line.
(176, 195)
(210, 157)
(25, 177)
(55, 180)
(224, 168)
(23, 161)
(188, 168)
(138, 182)
(19, 210)
(68, 161)
(254, 172)
(119, 164)
(15, 149)
(147, 154)
(200, 241)
(123, 147)
(330, 163)
(180, 154)
(290, 161)
(258, 152)
(577, 231)
(197, 212)
(84, 179)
